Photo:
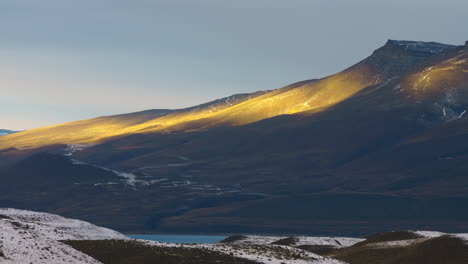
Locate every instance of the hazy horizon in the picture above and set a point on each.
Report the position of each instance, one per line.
(64, 60)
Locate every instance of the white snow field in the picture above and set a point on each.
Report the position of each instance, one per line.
(28, 237)
(434, 234)
(31, 237)
(337, 242)
(268, 254)
(425, 235)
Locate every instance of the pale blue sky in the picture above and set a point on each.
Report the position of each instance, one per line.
(63, 60)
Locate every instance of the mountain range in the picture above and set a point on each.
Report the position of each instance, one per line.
(381, 145)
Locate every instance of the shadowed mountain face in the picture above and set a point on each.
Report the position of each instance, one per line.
(383, 142)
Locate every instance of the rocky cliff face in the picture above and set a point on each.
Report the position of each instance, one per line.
(396, 58)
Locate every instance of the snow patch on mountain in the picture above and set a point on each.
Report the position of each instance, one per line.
(24, 245)
(60, 228)
(397, 243)
(72, 148)
(434, 234)
(463, 237)
(337, 242)
(429, 234)
(268, 254)
(130, 178)
(258, 240)
(32, 237)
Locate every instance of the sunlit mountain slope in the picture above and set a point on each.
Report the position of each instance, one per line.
(449, 75)
(78, 131)
(382, 66)
(444, 85)
(96, 129)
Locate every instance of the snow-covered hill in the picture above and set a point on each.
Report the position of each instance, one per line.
(31, 237)
(435, 234)
(42, 238)
(60, 228)
(337, 242)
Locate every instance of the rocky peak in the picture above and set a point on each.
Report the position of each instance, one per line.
(397, 57)
(419, 46)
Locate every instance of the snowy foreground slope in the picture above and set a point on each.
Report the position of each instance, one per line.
(31, 237)
(60, 228)
(268, 254)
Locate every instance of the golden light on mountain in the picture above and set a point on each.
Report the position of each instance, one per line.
(288, 100)
(314, 95)
(447, 76)
(390, 62)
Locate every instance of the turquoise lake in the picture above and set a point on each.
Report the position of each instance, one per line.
(187, 239)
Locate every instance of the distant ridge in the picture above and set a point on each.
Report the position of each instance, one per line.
(4, 132)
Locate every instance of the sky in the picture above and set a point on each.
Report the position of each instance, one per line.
(66, 60)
